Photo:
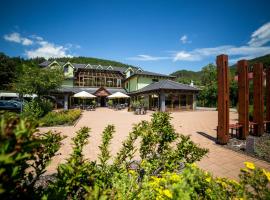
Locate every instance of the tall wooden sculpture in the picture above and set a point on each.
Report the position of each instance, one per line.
(258, 106)
(223, 99)
(243, 97)
(267, 117)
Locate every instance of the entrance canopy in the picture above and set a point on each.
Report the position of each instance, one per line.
(84, 94)
(118, 95)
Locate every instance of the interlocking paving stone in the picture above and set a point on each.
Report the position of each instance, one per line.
(200, 125)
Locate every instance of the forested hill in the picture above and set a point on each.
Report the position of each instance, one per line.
(185, 76)
(90, 60)
(263, 59)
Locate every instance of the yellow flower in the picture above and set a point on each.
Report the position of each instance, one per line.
(208, 190)
(208, 179)
(249, 165)
(267, 174)
(224, 184)
(132, 172)
(194, 165)
(244, 170)
(175, 177)
(156, 179)
(167, 193)
(234, 182)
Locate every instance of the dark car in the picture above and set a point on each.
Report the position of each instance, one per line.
(10, 106)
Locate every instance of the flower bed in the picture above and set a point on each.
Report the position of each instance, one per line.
(67, 117)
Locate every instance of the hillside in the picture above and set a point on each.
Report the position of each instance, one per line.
(93, 61)
(185, 76)
(264, 59)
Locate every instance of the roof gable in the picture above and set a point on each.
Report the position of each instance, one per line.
(68, 63)
(54, 62)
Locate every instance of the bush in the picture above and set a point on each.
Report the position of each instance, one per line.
(37, 108)
(60, 118)
(164, 171)
(24, 155)
(110, 103)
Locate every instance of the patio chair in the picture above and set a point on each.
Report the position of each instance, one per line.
(143, 111)
(137, 111)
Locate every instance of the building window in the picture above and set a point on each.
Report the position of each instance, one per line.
(118, 83)
(66, 69)
(154, 80)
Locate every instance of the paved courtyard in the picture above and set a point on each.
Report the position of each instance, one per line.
(199, 124)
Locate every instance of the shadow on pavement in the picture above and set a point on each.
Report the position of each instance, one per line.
(207, 136)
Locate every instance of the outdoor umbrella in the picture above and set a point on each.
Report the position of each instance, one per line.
(84, 95)
(118, 95)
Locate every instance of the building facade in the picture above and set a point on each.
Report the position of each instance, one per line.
(158, 91)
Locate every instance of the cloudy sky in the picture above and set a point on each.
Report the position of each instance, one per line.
(162, 36)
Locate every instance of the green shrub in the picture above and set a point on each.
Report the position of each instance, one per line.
(24, 155)
(60, 118)
(37, 108)
(73, 177)
(165, 169)
(110, 103)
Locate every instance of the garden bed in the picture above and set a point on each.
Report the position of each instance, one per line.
(64, 117)
(260, 150)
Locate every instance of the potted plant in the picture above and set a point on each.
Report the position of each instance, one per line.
(110, 103)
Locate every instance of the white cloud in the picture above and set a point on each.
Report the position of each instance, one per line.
(185, 56)
(184, 39)
(143, 57)
(47, 50)
(261, 36)
(252, 49)
(16, 37)
(40, 47)
(201, 53)
(26, 41)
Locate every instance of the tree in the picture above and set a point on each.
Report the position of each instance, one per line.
(34, 80)
(209, 74)
(208, 94)
(9, 68)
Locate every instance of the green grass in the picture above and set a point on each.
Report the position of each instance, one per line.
(60, 118)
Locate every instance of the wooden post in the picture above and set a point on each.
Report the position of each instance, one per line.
(267, 99)
(223, 99)
(258, 99)
(243, 97)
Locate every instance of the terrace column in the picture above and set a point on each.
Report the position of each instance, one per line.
(223, 99)
(243, 97)
(65, 102)
(194, 102)
(162, 102)
(268, 99)
(258, 99)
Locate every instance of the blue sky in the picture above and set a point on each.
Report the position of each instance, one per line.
(162, 36)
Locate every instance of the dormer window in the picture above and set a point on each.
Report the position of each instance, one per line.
(66, 69)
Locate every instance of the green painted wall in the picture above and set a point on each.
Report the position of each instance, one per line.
(67, 83)
(133, 84)
(138, 82)
(144, 81)
(69, 73)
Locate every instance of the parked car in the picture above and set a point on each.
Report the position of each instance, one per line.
(11, 106)
(18, 103)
